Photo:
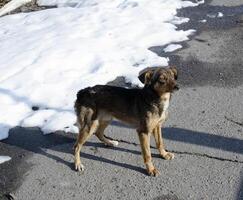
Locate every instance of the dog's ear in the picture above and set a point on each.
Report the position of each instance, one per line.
(145, 76)
(148, 77)
(174, 71)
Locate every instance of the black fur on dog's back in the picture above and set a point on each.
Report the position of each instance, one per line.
(108, 97)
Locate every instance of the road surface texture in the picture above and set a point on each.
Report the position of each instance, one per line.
(204, 130)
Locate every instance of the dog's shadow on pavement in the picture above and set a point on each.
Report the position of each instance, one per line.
(31, 139)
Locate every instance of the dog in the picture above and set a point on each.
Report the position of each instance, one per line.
(146, 109)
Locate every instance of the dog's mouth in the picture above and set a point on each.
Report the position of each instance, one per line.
(175, 88)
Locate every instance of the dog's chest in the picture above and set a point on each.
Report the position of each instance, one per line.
(164, 105)
(166, 102)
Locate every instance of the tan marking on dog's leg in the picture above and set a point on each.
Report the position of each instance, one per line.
(83, 136)
(144, 139)
(160, 144)
(100, 134)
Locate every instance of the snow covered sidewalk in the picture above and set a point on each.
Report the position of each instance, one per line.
(47, 56)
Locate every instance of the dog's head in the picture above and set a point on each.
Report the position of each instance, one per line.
(160, 79)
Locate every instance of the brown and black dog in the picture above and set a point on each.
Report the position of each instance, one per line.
(145, 109)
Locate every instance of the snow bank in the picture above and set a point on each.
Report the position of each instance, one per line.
(47, 56)
(4, 159)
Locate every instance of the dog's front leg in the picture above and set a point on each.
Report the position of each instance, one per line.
(160, 143)
(144, 139)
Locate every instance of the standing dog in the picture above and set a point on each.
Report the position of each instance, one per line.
(145, 109)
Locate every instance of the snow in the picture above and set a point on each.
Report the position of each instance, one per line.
(214, 15)
(12, 5)
(47, 56)
(172, 47)
(220, 14)
(4, 159)
(203, 20)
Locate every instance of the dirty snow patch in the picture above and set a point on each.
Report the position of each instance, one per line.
(12, 5)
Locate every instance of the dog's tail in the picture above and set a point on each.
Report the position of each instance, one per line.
(78, 101)
(84, 107)
(83, 96)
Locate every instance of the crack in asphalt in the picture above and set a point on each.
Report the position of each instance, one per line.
(182, 152)
(207, 156)
(233, 121)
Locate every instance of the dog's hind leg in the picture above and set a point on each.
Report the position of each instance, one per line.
(160, 144)
(83, 136)
(100, 134)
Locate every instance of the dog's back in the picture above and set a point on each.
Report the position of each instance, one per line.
(106, 102)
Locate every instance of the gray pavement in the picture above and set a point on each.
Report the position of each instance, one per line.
(204, 130)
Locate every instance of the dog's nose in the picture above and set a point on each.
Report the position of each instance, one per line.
(176, 87)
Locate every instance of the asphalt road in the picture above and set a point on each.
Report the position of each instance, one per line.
(204, 130)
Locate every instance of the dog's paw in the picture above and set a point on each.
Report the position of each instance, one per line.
(79, 167)
(168, 156)
(153, 172)
(114, 143)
